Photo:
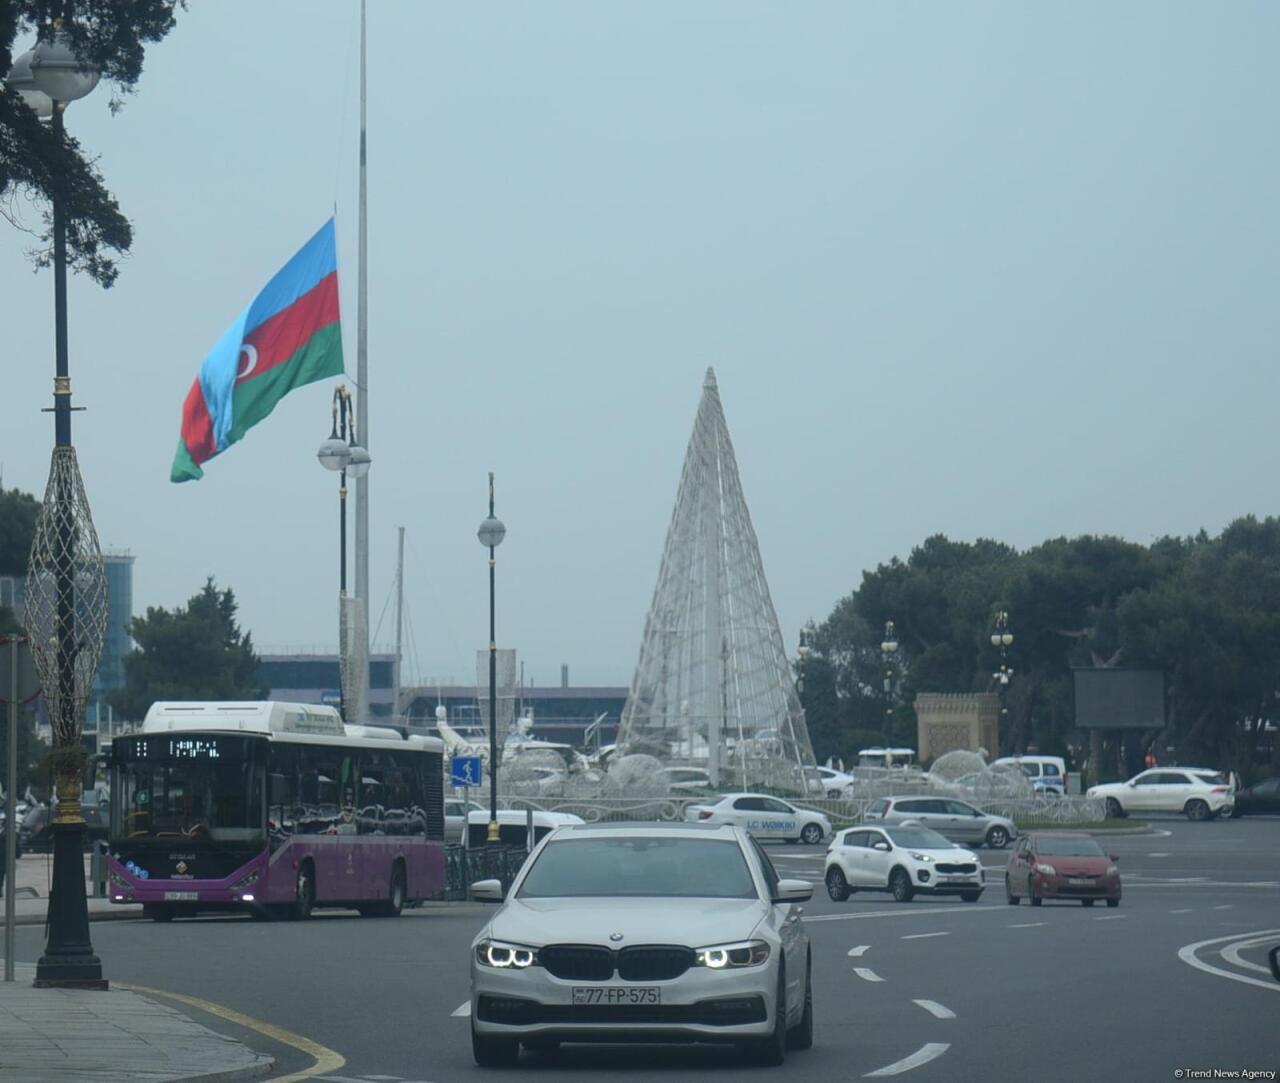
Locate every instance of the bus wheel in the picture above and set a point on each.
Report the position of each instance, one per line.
(305, 899)
(157, 913)
(396, 902)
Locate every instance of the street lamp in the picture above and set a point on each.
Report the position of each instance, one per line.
(1001, 637)
(802, 656)
(888, 649)
(66, 605)
(491, 533)
(341, 453)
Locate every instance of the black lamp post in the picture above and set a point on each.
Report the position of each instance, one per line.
(888, 649)
(491, 533)
(65, 611)
(341, 453)
(1001, 637)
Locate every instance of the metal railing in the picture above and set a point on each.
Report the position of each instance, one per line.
(463, 867)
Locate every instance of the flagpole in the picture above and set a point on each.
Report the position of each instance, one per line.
(361, 659)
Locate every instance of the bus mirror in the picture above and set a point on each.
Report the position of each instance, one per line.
(277, 790)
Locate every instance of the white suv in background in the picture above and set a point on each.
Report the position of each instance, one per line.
(1199, 792)
(1048, 774)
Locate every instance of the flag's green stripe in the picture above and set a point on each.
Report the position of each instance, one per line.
(317, 358)
(184, 466)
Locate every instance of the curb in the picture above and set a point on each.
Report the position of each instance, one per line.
(232, 1075)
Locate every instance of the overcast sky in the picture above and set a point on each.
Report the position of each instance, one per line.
(996, 269)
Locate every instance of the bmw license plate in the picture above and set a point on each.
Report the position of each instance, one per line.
(638, 994)
(181, 896)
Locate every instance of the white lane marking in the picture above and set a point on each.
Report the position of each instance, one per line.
(921, 936)
(935, 1009)
(902, 912)
(1232, 954)
(1186, 911)
(866, 974)
(923, 1055)
(856, 953)
(1225, 906)
(1162, 834)
(1187, 954)
(1163, 854)
(1112, 917)
(1027, 925)
(463, 1010)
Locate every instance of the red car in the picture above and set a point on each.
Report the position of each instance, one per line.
(1059, 866)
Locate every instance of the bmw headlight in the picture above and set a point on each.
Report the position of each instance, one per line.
(1046, 870)
(503, 956)
(921, 857)
(730, 956)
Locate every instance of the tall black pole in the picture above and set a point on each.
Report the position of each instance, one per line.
(493, 692)
(68, 958)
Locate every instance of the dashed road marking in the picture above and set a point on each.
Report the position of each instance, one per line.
(1225, 906)
(922, 936)
(1185, 911)
(462, 1011)
(1187, 954)
(866, 974)
(901, 912)
(1160, 855)
(1027, 925)
(855, 953)
(923, 1055)
(1111, 917)
(935, 1009)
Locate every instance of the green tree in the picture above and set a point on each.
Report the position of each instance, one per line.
(18, 511)
(195, 652)
(34, 161)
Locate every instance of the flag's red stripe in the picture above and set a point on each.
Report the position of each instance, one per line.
(279, 338)
(197, 426)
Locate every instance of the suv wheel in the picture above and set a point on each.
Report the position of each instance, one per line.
(1197, 810)
(811, 835)
(837, 885)
(900, 885)
(1114, 811)
(997, 838)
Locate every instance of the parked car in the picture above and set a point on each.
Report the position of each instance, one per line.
(1262, 796)
(905, 861)
(695, 780)
(956, 820)
(764, 817)
(35, 833)
(1199, 792)
(1048, 774)
(1061, 866)
(635, 932)
(835, 784)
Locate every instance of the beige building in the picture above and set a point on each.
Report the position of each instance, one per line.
(946, 721)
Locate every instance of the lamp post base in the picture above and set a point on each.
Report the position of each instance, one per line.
(68, 961)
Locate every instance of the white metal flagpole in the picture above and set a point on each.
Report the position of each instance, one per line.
(361, 652)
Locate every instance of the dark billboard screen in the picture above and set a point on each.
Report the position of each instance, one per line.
(1119, 698)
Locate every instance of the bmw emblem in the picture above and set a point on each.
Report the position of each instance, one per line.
(615, 937)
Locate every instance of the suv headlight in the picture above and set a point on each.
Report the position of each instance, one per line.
(921, 857)
(503, 956)
(730, 956)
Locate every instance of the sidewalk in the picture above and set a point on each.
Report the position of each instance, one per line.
(79, 1036)
(31, 889)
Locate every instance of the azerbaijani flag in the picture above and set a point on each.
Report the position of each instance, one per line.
(289, 335)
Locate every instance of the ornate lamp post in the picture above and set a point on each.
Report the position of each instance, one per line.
(66, 605)
(888, 650)
(1001, 637)
(341, 453)
(491, 533)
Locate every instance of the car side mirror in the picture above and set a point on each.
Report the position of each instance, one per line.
(883, 847)
(488, 891)
(793, 891)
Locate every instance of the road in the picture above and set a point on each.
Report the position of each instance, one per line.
(929, 990)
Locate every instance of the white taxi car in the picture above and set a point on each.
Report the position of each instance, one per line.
(904, 861)
(764, 817)
(1199, 792)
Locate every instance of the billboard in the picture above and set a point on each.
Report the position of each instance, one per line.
(1127, 699)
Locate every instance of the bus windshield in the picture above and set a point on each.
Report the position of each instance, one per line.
(175, 787)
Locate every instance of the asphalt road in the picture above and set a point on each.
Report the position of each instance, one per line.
(931, 990)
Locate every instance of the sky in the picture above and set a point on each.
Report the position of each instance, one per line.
(985, 269)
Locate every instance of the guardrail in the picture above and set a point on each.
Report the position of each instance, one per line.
(463, 867)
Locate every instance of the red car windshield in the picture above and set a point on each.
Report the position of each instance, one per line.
(1069, 847)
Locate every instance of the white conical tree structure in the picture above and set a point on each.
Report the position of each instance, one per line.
(713, 687)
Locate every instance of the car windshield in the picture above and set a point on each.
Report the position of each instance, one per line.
(919, 838)
(1070, 847)
(639, 866)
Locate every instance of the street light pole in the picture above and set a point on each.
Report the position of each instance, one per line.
(341, 453)
(888, 649)
(491, 533)
(1001, 637)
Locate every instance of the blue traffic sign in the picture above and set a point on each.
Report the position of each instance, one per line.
(465, 770)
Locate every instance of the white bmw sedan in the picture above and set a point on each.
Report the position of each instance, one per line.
(634, 932)
(763, 816)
